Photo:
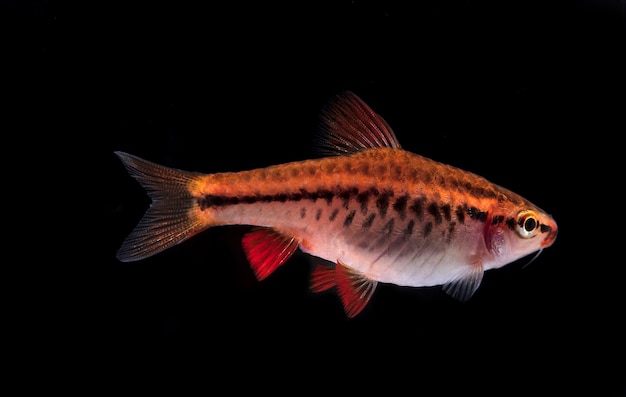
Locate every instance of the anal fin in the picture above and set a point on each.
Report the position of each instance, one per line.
(267, 249)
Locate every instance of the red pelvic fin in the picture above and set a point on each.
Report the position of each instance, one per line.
(323, 278)
(267, 249)
(355, 290)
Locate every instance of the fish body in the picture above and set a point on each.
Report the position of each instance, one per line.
(372, 211)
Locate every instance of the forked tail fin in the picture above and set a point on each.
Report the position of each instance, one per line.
(173, 215)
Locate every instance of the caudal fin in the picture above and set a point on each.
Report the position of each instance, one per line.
(173, 215)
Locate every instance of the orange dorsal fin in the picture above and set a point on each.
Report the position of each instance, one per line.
(323, 278)
(267, 249)
(348, 125)
(355, 290)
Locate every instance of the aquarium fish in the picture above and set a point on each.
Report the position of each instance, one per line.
(372, 211)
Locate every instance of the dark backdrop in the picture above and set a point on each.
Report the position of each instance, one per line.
(528, 94)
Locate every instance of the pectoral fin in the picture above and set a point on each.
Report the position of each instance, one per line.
(267, 249)
(463, 285)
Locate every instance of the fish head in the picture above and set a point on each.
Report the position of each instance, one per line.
(521, 232)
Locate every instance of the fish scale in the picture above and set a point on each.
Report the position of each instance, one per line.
(376, 211)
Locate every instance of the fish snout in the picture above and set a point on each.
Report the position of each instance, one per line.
(551, 230)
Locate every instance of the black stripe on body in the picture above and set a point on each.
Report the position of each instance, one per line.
(362, 199)
(327, 195)
(400, 206)
(382, 203)
(347, 195)
(433, 209)
(417, 207)
(477, 214)
(403, 205)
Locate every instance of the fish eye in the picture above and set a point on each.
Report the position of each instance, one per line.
(527, 224)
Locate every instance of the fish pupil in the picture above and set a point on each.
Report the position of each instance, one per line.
(530, 224)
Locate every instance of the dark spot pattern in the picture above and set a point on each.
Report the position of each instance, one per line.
(417, 207)
(368, 222)
(428, 227)
(433, 209)
(363, 199)
(346, 195)
(460, 214)
(451, 227)
(409, 228)
(400, 205)
(545, 228)
(510, 222)
(388, 228)
(382, 203)
(348, 221)
(497, 219)
(403, 206)
(326, 195)
(476, 214)
(445, 210)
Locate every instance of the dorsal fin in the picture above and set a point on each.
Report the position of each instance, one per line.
(347, 125)
(355, 290)
(267, 249)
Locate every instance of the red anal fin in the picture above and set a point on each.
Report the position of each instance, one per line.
(355, 290)
(323, 278)
(267, 249)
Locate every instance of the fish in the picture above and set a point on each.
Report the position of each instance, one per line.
(365, 210)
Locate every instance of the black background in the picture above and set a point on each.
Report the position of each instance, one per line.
(528, 94)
